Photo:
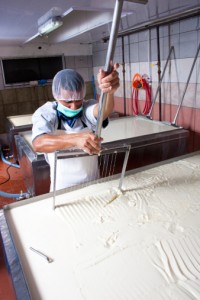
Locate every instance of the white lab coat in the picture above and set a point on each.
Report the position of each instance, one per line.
(70, 171)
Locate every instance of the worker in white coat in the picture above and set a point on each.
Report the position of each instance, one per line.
(70, 122)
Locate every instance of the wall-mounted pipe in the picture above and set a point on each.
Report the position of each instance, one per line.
(188, 80)
(160, 81)
(159, 73)
(159, 22)
(124, 76)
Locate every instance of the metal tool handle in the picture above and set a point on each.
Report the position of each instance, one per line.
(109, 59)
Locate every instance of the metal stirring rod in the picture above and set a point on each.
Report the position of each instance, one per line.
(109, 60)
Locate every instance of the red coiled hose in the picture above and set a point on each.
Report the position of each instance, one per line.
(137, 84)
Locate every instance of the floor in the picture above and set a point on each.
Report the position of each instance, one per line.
(10, 182)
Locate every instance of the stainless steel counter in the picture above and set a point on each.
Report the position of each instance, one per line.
(14, 125)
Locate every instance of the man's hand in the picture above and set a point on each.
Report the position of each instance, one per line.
(88, 142)
(108, 83)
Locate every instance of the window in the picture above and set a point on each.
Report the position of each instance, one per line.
(24, 70)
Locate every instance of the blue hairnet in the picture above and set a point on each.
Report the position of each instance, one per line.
(68, 85)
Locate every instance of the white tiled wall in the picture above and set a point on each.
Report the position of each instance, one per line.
(140, 52)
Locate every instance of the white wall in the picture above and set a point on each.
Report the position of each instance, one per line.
(80, 51)
(33, 50)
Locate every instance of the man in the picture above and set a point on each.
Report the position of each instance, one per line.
(70, 122)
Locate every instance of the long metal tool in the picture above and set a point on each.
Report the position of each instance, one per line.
(160, 82)
(110, 55)
(188, 80)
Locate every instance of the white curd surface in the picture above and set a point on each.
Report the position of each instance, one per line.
(125, 128)
(21, 120)
(143, 244)
(129, 127)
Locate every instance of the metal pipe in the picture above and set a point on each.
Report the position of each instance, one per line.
(123, 72)
(191, 70)
(159, 74)
(110, 55)
(109, 58)
(159, 22)
(160, 81)
(54, 180)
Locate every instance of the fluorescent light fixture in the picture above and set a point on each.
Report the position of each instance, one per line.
(50, 25)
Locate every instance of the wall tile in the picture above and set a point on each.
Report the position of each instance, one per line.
(185, 66)
(189, 24)
(117, 55)
(70, 62)
(23, 94)
(172, 70)
(134, 52)
(25, 108)
(84, 73)
(164, 48)
(175, 28)
(126, 53)
(143, 51)
(154, 51)
(188, 42)
(126, 40)
(11, 109)
(191, 96)
(99, 58)
(90, 74)
(9, 96)
(153, 33)
(164, 31)
(127, 69)
(82, 62)
(133, 38)
(143, 36)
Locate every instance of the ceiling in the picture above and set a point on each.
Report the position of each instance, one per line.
(84, 21)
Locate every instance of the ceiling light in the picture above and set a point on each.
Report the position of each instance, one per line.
(50, 25)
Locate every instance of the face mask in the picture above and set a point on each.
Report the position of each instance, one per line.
(67, 111)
